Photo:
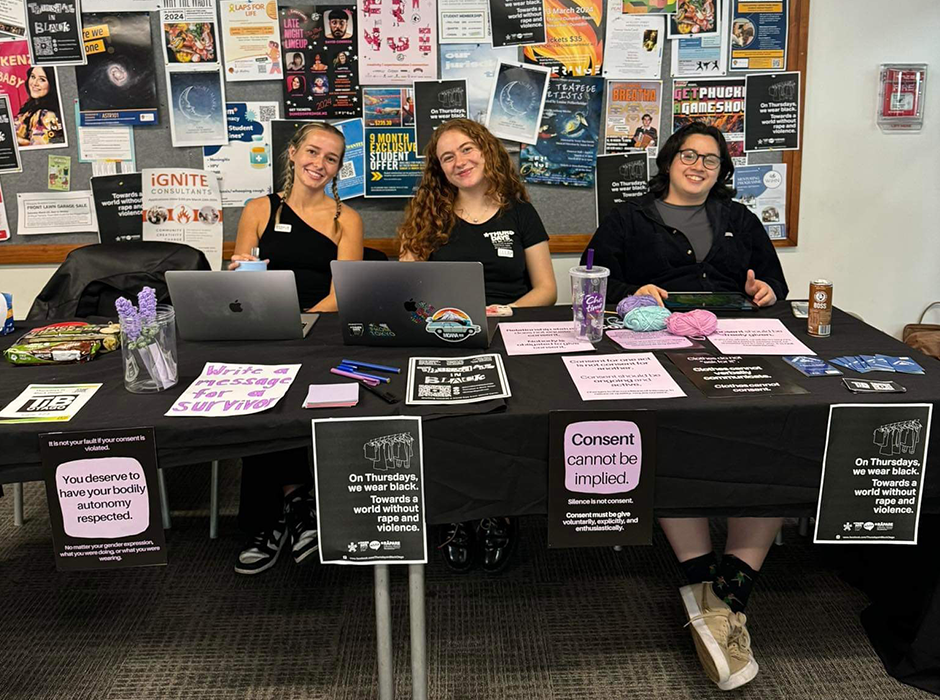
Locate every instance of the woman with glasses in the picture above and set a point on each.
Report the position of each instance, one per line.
(687, 234)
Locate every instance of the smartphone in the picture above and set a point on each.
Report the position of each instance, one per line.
(800, 309)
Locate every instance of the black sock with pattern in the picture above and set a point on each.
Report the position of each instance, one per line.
(703, 568)
(734, 582)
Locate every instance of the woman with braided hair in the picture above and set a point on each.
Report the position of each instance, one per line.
(299, 229)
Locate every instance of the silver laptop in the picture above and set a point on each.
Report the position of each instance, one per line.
(411, 304)
(237, 305)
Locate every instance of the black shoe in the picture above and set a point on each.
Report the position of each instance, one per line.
(498, 537)
(456, 546)
(302, 524)
(261, 551)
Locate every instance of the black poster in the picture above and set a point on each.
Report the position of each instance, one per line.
(321, 61)
(437, 101)
(282, 131)
(55, 32)
(370, 490)
(873, 473)
(103, 497)
(517, 22)
(601, 477)
(618, 178)
(119, 84)
(455, 380)
(119, 202)
(723, 376)
(772, 112)
(9, 150)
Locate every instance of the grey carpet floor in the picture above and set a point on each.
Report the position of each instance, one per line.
(586, 624)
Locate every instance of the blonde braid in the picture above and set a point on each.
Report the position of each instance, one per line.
(339, 207)
(288, 184)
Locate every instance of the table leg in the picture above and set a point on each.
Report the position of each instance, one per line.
(383, 632)
(18, 504)
(778, 540)
(804, 527)
(419, 647)
(214, 501)
(164, 501)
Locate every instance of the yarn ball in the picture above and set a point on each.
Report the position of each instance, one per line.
(697, 322)
(646, 318)
(634, 301)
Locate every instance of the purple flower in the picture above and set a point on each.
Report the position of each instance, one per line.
(130, 321)
(147, 300)
(124, 308)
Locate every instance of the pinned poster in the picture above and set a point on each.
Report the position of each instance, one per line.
(388, 106)
(874, 465)
(119, 201)
(393, 168)
(189, 33)
(105, 144)
(517, 22)
(225, 389)
(244, 165)
(517, 101)
(118, 86)
(698, 17)
(9, 148)
(634, 45)
(34, 96)
(55, 33)
(773, 112)
(758, 35)
(763, 190)
(13, 18)
(197, 106)
(619, 177)
(400, 42)
(104, 499)
(566, 150)
(649, 7)
(574, 38)
(477, 64)
(437, 101)
(181, 205)
(54, 212)
(251, 40)
(60, 173)
(369, 475)
(351, 176)
(633, 116)
(718, 102)
(695, 57)
(4, 224)
(461, 21)
(601, 478)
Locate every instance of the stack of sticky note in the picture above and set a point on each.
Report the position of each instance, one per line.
(878, 363)
(342, 395)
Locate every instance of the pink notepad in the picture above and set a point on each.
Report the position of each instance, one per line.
(332, 395)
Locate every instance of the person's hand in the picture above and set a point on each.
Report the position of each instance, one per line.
(761, 292)
(237, 257)
(651, 290)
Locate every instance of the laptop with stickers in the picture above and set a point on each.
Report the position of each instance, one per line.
(415, 304)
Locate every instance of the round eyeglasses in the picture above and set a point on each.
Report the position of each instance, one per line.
(689, 156)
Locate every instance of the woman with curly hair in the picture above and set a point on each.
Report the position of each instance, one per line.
(472, 206)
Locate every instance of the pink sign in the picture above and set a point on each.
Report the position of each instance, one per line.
(104, 497)
(603, 456)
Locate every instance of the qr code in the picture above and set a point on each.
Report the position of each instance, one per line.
(434, 392)
(347, 171)
(777, 63)
(42, 48)
(266, 113)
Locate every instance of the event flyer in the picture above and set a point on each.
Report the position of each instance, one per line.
(772, 106)
(105, 144)
(190, 36)
(48, 403)
(104, 499)
(516, 102)
(644, 7)
(244, 164)
(13, 18)
(320, 50)
(369, 475)
(566, 149)
(718, 102)
(601, 477)
(225, 389)
(119, 200)
(619, 177)
(437, 101)
(574, 38)
(517, 22)
(399, 42)
(699, 17)
(456, 380)
(621, 376)
(477, 64)
(182, 205)
(60, 173)
(55, 32)
(874, 466)
(55, 212)
(197, 106)
(460, 21)
(351, 178)
(730, 376)
(9, 148)
(633, 116)
(393, 167)
(388, 106)
(758, 35)
(251, 40)
(634, 45)
(119, 83)
(763, 190)
(38, 116)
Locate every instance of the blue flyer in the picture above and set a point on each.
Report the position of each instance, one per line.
(394, 169)
(351, 180)
(811, 366)
(763, 190)
(758, 36)
(515, 111)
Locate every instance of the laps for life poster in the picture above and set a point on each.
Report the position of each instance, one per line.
(399, 41)
(251, 40)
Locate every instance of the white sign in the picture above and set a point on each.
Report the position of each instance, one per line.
(225, 389)
(463, 21)
(40, 403)
(756, 336)
(634, 45)
(55, 212)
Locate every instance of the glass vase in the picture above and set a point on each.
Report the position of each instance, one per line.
(150, 363)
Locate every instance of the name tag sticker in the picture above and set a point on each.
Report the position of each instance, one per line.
(282, 228)
(728, 234)
(504, 252)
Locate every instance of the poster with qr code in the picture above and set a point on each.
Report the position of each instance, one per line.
(55, 33)
(244, 165)
(252, 41)
(351, 179)
(456, 380)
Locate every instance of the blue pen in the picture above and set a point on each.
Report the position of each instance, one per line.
(381, 368)
(355, 370)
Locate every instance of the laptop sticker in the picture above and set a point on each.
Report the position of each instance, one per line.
(381, 330)
(355, 329)
(419, 310)
(452, 325)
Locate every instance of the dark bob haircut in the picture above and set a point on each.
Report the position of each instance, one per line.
(659, 184)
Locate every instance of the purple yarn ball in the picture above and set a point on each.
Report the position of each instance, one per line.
(634, 301)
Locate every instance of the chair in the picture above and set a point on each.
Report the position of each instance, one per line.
(373, 254)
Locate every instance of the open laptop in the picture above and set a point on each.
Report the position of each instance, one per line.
(237, 305)
(415, 304)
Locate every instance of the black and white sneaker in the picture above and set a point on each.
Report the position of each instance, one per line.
(302, 524)
(261, 551)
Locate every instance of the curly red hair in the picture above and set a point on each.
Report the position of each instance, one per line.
(429, 216)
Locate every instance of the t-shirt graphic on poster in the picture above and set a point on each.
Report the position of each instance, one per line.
(369, 476)
(104, 502)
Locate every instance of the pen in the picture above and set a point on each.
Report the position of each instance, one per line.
(355, 370)
(368, 365)
(384, 395)
(364, 380)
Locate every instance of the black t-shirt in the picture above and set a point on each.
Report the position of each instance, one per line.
(500, 245)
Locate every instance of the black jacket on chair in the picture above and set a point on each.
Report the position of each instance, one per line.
(639, 248)
(93, 277)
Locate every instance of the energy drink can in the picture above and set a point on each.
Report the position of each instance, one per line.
(820, 308)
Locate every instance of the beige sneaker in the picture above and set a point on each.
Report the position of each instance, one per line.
(721, 638)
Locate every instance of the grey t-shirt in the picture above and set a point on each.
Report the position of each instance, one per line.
(692, 221)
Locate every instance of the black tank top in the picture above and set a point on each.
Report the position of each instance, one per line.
(303, 249)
